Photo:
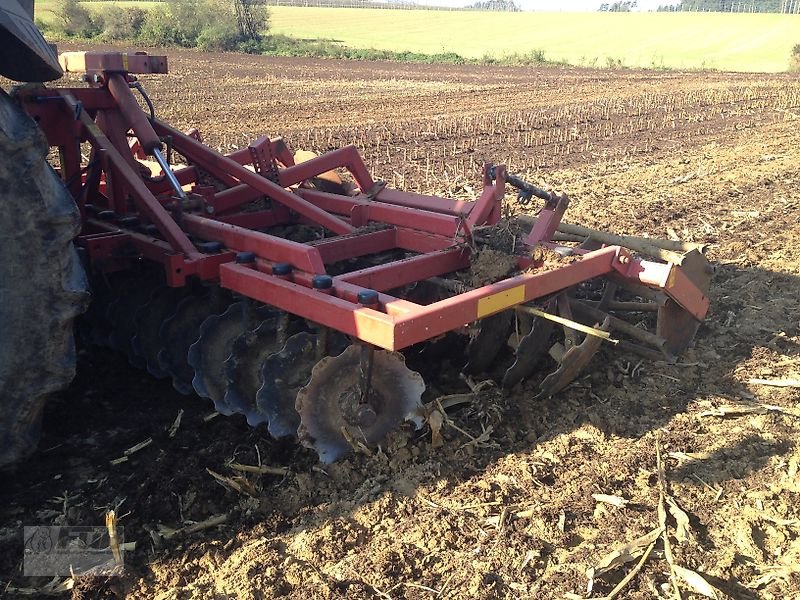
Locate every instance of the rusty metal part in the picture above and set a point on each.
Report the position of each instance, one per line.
(333, 416)
(531, 349)
(572, 364)
(677, 326)
(622, 326)
(284, 373)
(485, 344)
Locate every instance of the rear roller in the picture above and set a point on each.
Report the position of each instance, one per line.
(335, 411)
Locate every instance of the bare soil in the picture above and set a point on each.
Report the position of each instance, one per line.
(505, 507)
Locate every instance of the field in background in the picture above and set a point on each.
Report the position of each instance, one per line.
(45, 8)
(735, 42)
(731, 42)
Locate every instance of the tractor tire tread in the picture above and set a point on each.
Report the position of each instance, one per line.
(43, 286)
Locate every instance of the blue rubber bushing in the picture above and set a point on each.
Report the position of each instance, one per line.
(129, 221)
(281, 269)
(322, 282)
(368, 297)
(210, 247)
(244, 258)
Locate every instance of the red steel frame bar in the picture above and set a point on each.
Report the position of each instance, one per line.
(420, 323)
(434, 227)
(215, 162)
(409, 270)
(143, 198)
(363, 211)
(302, 256)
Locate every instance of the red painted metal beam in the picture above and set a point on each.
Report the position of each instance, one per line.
(345, 291)
(487, 208)
(351, 246)
(110, 243)
(294, 174)
(547, 222)
(366, 324)
(130, 62)
(347, 157)
(147, 204)
(672, 280)
(301, 256)
(402, 272)
(278, 148)
(420, 241)
(412, 218)
(400, 216)
(217, 164)
(452, 313)
(229, 200)
(417, 323)
(423, 202)
(184, 176)
(254, 220)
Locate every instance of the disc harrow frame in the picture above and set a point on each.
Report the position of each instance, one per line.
(214, 219)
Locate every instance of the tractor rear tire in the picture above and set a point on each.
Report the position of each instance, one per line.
(42, 283)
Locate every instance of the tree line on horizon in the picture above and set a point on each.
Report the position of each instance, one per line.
(738, 6)
(747, 6)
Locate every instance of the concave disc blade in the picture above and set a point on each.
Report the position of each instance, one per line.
(283, 374)
(180, 331)
(94, 326)
(146, 343)
(122, 315)
(484, 347)
(213, 347)
(572, 364)
(530, 350)
(243, 368)
(330, 409)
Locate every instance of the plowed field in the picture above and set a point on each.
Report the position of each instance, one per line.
(525, 495)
